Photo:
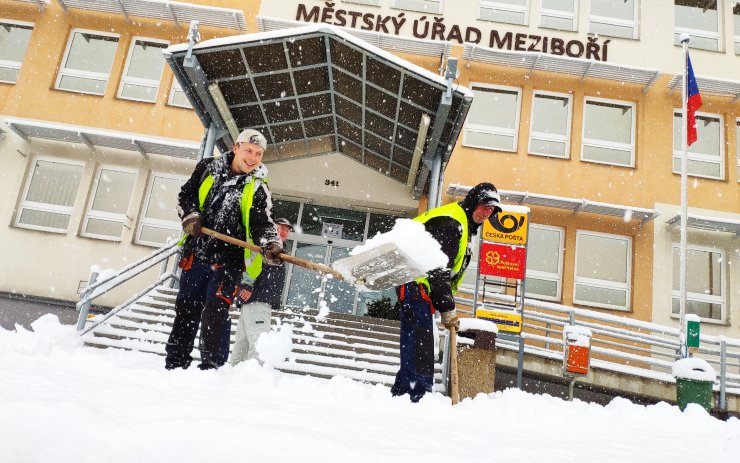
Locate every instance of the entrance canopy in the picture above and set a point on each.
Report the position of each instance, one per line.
(315, 90)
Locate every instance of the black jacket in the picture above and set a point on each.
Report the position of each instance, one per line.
(222, 211)
(268, 287)
(447, 232)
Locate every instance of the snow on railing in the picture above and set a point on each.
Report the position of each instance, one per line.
(115, 278)
(619, 344)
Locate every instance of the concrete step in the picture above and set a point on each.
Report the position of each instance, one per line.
(360, 348)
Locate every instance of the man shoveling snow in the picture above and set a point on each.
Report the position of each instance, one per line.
(453, 227)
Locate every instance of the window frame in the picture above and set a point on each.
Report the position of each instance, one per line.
(635, 24)
(497, 130)
(150, 83)
(156, 223)
(540, 275)
(561, 15)
(16, 65)
(699, 297)
(420, 10)
(45, 207)
(736, 32)
(124, 219)
(607, 144)
(719, 37)
(64, 72)
(498, 6)
(702, 157)
(175, 87)
(549, 137)
(627, 287)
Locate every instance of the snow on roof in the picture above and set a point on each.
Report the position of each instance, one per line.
(323, 29)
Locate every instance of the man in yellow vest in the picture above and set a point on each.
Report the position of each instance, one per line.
(453, 226)
(228, 194)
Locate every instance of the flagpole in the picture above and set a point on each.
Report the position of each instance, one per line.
(684, 195)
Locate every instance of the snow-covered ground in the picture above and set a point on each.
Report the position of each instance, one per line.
(61, 402)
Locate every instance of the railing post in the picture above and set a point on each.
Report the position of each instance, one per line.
(548, 325)
(85, 307)
(723, 375)
(176, 271)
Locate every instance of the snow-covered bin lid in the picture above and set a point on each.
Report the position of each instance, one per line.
(470, 324)
(691, 317)
(577, 335)
(694, 368)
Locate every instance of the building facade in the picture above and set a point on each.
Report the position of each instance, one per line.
(576, 114)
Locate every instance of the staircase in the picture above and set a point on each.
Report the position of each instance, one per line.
(360, 348)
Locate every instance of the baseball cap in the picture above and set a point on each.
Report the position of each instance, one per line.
(284, 221)
(252, 136)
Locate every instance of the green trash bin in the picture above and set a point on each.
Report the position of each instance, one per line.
(694, 381)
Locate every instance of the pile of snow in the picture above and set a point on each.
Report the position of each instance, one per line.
(63, 403)
(470, 324)
(694, 368)
(275, 346)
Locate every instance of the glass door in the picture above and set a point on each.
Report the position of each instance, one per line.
(339, 295)
(304, 285)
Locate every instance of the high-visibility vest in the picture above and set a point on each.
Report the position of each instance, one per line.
(455, 212)
(252, 260)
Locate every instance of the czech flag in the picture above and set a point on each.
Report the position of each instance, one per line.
(693, 102)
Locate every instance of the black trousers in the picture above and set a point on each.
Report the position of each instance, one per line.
(206, 293)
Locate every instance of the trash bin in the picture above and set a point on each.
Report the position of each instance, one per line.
(477, 361)
(694, 381)
(577, 355)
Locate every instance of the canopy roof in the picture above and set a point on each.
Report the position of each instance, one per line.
(317, 89)
(701, 222)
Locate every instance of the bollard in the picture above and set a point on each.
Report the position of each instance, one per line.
(477, 362)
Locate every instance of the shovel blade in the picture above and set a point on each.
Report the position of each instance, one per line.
(380, 268)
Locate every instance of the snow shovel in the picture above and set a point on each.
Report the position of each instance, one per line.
(454, 378)
(376, 269)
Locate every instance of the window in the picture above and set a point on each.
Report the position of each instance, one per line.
(177, 96)
(700, 19)
(493, 120)
(551, 120)
(505, 11)
(559, 14)
(704, 282)
(603, 270)
(332, 222)
(87, 62)
(545, 262)
(608, 132)
(614, 18)
(111, 196)
(14, 37)
(425, 6)
(736, 20)
(143, 71)
(706, 154)
(159, 222)
(49, 195)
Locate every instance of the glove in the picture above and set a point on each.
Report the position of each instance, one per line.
(449, 319)
(271, 253)
(192, 223)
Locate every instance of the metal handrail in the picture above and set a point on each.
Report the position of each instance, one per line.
(646, 346)
(96, 288)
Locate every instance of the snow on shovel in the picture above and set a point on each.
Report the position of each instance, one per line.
(383, 262)
(391, 259)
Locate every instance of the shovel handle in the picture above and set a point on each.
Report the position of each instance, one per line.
(454, 378)
(284, 257)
